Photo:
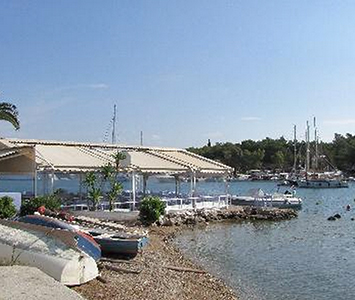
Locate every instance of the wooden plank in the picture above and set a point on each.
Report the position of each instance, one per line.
(117, 269)
(112, 260)
(181, 269)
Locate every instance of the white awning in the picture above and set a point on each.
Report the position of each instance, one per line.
(82, 157)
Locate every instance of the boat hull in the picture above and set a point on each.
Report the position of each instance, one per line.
(84, 241)
(129, 247)
(52, 251)
(287, 202)
(322, 184)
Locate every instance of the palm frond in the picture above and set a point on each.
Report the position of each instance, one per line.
(9, 113)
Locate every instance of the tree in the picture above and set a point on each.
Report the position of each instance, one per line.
(118, 156)
(9, 113)
(29, 207)
(278, 159)
(7, 207)
(94, 192)
(109, 174)
(151, 209)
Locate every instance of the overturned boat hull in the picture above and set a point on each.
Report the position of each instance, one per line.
(52, 251)
(84, 241)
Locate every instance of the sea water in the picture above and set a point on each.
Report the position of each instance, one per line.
(307, 257)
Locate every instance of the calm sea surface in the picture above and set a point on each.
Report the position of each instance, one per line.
(304, 258)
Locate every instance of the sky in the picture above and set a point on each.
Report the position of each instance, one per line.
(180, 71)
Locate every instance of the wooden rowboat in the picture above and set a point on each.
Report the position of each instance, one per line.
(119, 244)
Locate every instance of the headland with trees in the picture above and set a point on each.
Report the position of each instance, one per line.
(279, 154)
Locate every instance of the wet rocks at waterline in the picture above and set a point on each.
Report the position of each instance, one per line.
(204, 216)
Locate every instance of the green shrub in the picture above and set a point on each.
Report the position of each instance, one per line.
(7, 207)
(151, 208)
(51, 202)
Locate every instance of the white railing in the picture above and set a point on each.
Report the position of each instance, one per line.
(179, 203)
(172, 203)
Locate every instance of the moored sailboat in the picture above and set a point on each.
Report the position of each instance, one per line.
(314, 176)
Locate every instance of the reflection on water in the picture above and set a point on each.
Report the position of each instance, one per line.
(304, 258)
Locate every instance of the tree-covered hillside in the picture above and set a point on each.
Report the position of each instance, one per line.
(278, 154)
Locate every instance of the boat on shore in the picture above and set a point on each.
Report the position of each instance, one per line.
(95, 241)
(84, 241)
(261, 199)
(53, 251)
(119, 244)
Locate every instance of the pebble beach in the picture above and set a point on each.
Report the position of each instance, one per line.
(161, 271)
(154, 275)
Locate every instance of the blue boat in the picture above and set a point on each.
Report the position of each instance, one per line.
(95, 242)
(114, 244)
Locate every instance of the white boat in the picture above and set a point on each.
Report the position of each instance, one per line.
(322, 183)
(51, 250)
(260, 198)
(314, 175)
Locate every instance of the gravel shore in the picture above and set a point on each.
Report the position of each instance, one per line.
(152, 279)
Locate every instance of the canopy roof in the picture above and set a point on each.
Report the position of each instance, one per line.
(21, 156)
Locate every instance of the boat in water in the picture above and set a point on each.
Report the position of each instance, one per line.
(321, 183)
(53, 251)
(261, 199)
(319, 172)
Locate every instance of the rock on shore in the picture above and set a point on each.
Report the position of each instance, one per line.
(197, 216)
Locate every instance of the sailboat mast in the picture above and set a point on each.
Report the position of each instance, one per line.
(114, 125)
(308, 150)
(316, 144)
(294, 149)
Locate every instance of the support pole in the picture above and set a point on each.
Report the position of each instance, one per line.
(35, 183)
(80, 186)
(52, 182)
(134, 190)
(44, 182)
(193, 188)
(145, 178)
(179, 186)
(194, 181)
(227, 189)
(176, 185)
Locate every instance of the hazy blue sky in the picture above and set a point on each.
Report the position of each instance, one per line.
(181, 71)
